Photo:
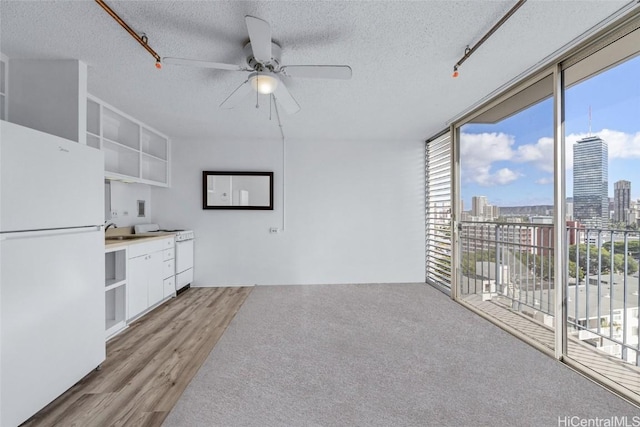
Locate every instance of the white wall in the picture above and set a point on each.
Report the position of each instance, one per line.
(354, 212)
(124, 200)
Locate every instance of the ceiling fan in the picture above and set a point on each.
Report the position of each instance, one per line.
(265, 69)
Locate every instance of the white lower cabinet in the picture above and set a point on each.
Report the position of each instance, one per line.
(138, 285)
(170, 286)
(147, 270)
(169, 271)
(156, 279)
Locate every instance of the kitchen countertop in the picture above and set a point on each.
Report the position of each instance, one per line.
(126, 231)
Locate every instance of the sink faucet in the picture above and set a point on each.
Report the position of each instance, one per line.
(111, 224)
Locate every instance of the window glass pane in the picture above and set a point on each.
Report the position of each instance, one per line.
(602, 137)
(506, 240)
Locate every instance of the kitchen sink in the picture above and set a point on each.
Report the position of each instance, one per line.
(124, 237)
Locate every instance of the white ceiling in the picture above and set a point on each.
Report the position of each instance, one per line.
(401, 52)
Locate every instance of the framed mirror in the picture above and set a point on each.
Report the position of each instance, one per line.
(237, 190)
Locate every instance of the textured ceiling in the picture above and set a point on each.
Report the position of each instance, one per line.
(401, 53)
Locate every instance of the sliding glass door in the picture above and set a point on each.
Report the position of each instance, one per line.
(546, 219)
(505, 226)
(602, 140)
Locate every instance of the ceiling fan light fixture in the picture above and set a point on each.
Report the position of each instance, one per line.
(263, 83)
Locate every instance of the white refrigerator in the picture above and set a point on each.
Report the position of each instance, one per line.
(52, 306)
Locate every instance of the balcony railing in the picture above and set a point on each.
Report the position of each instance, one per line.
(512, 264)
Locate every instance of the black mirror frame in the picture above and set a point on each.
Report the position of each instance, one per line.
(205, 174)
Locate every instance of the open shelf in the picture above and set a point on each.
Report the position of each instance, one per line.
(93, 141)
(154, 144)
(115, 313)
(115, 277)
(115, 263)
(120, 159)
(154, 169)
(133, 152)
(3, 77)
(113, 283)
(3, 88)
(120, 129)
(93, 117)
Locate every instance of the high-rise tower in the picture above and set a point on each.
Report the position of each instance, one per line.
(478, 204)
(621, 200)
(590, 182)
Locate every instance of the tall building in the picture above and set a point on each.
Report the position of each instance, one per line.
(491, 212)
(590, 182)
(477, 205)
(621, 201)
(569, 212)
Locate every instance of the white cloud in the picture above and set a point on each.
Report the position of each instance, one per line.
(544, 181)
(478, 151)
(539, 154)
(505, 176)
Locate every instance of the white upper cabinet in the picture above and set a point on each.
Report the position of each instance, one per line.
(48, 95)
(132, 150)
(4, 80)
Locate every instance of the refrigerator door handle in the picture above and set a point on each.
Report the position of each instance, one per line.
(6, 235)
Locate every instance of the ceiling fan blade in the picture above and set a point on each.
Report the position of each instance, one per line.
(237, 95)
(342, 72)
(260, 37)
(202, 64)
(283, 96)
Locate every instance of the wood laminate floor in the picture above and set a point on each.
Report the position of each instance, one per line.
(149, 365)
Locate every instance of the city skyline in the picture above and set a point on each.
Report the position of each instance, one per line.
(511, 162)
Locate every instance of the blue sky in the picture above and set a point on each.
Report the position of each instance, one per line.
(511, 162)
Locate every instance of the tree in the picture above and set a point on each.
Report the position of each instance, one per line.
(601, 264)
(633, 247)
(618, 264)
(595, 264)
(469, 260)
(541, 266)
(572, 271)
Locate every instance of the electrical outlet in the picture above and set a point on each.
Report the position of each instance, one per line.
(114, 214)
(274, 230)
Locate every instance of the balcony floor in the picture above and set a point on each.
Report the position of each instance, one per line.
(624, 374)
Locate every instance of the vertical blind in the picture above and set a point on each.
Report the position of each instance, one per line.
(438, 210)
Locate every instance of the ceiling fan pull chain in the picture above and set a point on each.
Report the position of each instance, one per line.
(270, 104)
(257, 100)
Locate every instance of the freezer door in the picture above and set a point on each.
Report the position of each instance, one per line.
(47, 181)
(52, 324)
